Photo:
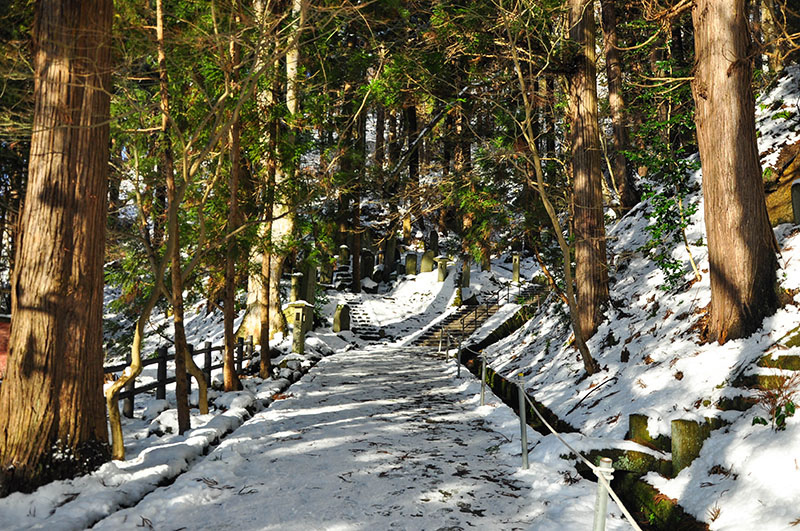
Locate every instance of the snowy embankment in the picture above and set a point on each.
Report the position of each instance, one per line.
(747, 476)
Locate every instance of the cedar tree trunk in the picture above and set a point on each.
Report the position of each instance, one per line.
(591, 275)
(52, 413)
(741, 244)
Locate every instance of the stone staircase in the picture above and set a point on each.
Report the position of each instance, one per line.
(768, 374)
(342, 278)
(473, 316)
(361, 323)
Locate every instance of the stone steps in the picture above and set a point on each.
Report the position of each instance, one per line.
(452, 324)
(768, 374)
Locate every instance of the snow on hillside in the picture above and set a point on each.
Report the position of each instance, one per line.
(747, 476)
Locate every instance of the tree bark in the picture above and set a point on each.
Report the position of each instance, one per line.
(283, 219)
(167, 164)
(229, 377)
(628, 195)
(380, 128)
(52, 415)
(741, 244)
(591, 275)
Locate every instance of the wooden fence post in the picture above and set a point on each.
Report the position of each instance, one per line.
(161, 374)
(207, 361)
(127, 403)
(239, 354)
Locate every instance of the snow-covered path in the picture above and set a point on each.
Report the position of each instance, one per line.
(374, 439)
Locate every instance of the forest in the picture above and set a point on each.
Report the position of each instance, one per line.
(167, 158)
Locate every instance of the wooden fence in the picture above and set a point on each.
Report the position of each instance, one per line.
(244, 351)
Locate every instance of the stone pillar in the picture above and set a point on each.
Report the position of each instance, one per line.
(465, 269)
(344, 255)
(515, 268)
(441, 267)
(411, 264)
(427, 262)
(341, 318)
(687, 441)
(300, 312)
(297, 287)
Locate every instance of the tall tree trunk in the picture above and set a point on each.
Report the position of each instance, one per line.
(174, 248)
(550, 118)
(283, 219)
(394, 144)
(772, 36)
(230, 379)
(360, 148)
(412, 188)
(51, 402)
(591, 275)
(380, 128)
(628, 195)
(741, 244)
(265, 292)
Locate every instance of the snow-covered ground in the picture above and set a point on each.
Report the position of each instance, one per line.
(382, 437)
(371, 439)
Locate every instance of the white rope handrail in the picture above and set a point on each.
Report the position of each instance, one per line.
(600, 477)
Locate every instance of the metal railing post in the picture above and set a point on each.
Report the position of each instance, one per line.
(601, 503)
(483, 378)
(441, 338)
(523, 425)
(458, 360)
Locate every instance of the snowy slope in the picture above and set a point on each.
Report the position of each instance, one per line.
(747, 476)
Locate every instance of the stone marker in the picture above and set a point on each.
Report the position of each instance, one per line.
(344, 255)
(441, 267)
(411, 264)
(465, 269)
(341, 318)
(301, 313)
(515, 268)
(427, 262)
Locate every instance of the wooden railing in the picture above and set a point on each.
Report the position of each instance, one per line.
(244, 351)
